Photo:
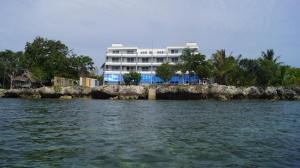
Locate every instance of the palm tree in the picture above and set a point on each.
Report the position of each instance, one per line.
(270, 55)
(269, 69)
(224, 65)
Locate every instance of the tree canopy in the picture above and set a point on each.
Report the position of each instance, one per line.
(226, 69)
(165, 71)
(132, 78)
(45, 59)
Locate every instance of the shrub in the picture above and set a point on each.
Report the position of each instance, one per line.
(132, 78)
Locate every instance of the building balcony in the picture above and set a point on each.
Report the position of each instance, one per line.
(121, 55)
(125, 71)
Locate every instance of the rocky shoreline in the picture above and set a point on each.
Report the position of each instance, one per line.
(163, 92)
(47, 92)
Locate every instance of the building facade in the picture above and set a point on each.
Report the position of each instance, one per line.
(88, 82)
(121, 59)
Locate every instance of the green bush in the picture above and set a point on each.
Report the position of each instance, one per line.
(132, 78)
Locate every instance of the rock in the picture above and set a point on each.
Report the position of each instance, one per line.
(22, 93)
(86, 92)
(252, 92)
(286, 94)
(296, 89)
(114, 98)
(222, 98)
(49, 92)
(182, 92)
(104, 92)
(76, 91)
(2, 92)
(230, 92)
(128, 97)
(70, 91)
(112, 91)
(270, 93)
(133, 90)
(66, 97)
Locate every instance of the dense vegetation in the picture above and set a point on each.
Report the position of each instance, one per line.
(229, 70)
(165, 71)
(48, 58)
(132, 78)
(44, 59)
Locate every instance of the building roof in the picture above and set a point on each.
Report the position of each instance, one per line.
(123, 47)
(25, 76)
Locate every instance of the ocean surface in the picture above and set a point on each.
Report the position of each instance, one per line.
(142, 133)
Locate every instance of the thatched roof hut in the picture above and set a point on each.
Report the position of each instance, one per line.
(25, 79)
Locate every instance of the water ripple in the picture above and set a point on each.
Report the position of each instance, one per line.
(105, 133)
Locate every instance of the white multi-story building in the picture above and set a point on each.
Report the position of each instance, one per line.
(121, 59)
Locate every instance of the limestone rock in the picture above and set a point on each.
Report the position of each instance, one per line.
(252, 92)
(48, 92)
(222, 98)
(22, 93)
(112, 91)
(2, 92)
(287, 94)
(66, 97)
(270, 93)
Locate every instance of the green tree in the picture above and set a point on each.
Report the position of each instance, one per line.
(224, 66)
(49, 58)
(10, 64)
(127, 79)
(81, 65)
(204, 70)
(269, 69)
(132, 78)
(165, 71)
(196, 64)
(248, 71)
(292, 76)
(189, 60)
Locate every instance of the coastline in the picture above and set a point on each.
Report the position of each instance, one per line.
(159, 92)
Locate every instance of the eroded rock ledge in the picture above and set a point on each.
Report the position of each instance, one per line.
(179, 92)
(185, 92)
(222, 92)
(48, 92)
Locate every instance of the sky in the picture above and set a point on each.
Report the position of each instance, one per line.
(245, 27)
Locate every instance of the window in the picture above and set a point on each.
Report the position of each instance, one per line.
(116, 51)
(130, 59)
(160, 52)
(130, 68)
(130, 51)
(159, 59)
(145, 60)
(115, 68)
(174, 60)
(115, 59)
(144, 52)
(174, 51)
(145, 68)
(150, 52)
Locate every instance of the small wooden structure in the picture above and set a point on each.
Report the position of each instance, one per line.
(64, 82)
(89, 82)
(25, 79)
